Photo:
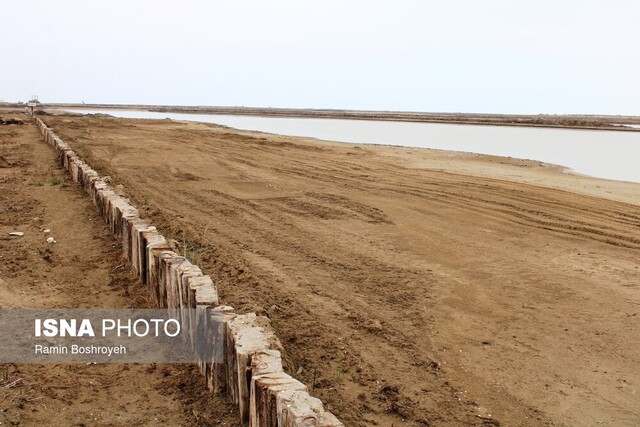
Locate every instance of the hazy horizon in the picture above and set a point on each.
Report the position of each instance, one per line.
(504, 57)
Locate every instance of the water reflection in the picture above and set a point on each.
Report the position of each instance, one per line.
(604, 154)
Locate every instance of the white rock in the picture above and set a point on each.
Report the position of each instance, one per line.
(51, 240)
(47, 231)
(16, 233)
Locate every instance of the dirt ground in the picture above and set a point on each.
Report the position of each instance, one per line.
(409, 287)
(83, 269)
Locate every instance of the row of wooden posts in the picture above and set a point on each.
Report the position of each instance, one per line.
(250, 370)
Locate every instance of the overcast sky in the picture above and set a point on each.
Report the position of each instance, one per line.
(469, 56)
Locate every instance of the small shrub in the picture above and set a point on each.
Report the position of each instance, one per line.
(57, 180)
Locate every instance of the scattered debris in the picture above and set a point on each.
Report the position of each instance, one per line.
(12, 121)
(13, 383)
(16, 233)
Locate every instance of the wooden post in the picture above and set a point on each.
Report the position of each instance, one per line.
(216, 371)
(166, 260)
(298, 408)
(264, 393)
(138, 246)
(247, 334)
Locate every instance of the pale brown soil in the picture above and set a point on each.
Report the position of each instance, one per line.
(409, 287)
(83, 269)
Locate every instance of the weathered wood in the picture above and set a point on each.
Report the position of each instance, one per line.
(247, 334)
(186, 272)
(201, 291)
(83, 175)
(144, 235)
(154, 252)
(97, 185)
(215, 369)
(202, 295)
(164, 281)
(82, 167)
(262, 408)
(138, 247)
(56, 142)
(117, 207)
(63, 154)
(153, 241)
(299, 408)
(264, 392)
(102, 202)
(173, 285)
(74, 169)
(127, 235)
(89, 176)
(110, 212)
(66, 160)
(266, 362)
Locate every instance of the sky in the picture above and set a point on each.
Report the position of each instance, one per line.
(493, 56)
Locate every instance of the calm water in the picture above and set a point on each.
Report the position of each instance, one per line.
(604, 154)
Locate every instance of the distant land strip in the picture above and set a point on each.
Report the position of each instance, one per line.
(573, 121)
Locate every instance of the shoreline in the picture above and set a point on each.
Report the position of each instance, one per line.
(562, 168)
(504, 168)
(560, 121)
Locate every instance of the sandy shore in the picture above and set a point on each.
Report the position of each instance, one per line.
(409, 286)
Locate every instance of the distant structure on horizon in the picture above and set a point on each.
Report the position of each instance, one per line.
(33, 103)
